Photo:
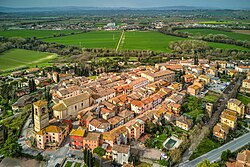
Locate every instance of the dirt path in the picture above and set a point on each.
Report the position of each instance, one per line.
(120, 40)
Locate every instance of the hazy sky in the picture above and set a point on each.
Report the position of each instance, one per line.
(127, 3)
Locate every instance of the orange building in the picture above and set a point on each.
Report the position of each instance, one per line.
(92, 140)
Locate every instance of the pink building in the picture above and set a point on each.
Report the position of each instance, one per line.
(50, 136)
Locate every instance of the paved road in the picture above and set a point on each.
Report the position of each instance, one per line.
(22, 141)
(228, 93)
(215, 154)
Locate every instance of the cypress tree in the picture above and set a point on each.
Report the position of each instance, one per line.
(5, 133)
(90, 162)
(85, 155)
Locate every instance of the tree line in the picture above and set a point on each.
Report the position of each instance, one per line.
(219, 38)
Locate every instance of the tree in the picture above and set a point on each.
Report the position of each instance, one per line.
(32, 85)
(5, 133)
(11, 148)
(225, 155)
(90, 158)
(85, 152)
(206, 163)
(100, 151)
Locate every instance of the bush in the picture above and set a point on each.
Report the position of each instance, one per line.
(164, 163)
(99, 151)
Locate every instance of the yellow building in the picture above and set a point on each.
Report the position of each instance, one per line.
(236, 105)
(41, 115)
(205, 78)
(245, 87)
(229, 118)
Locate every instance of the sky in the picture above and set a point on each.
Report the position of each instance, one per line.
(229, 4)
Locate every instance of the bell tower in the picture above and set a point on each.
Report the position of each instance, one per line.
(41, 115)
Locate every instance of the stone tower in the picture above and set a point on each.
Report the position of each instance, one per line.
(41, 115)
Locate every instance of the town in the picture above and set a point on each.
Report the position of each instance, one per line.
(125, 83)
(147, 114)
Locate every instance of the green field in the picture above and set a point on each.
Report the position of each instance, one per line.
(34, 33)
(233, 35)
(226, 46)
(94, 39)
(244, 99)
(17, 58)
(147, 40)
(132, 40)
(211, 97)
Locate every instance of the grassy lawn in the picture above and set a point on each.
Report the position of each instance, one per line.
(205, 146)
(243, 99)
(34, 33)
(93, 39)
(17, 58)
(194, 113)
(68, 164)
(211, 97)
(158, 140)
(77, 164)
(234, 35)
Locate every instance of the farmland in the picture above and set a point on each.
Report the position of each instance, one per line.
(94, 39)
(226, 46)
(34, 33)
(17, 58)
(147, 40)
(132, 40)
(233, 35)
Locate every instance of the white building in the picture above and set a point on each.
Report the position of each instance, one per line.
(121, 153)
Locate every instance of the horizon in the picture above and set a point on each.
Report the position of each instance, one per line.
(222, 4)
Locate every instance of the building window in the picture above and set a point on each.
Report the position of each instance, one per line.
(43, 110)
(75, 107)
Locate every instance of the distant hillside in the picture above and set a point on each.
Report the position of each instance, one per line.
(75, 8)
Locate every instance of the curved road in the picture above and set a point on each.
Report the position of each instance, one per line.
(215, 154)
